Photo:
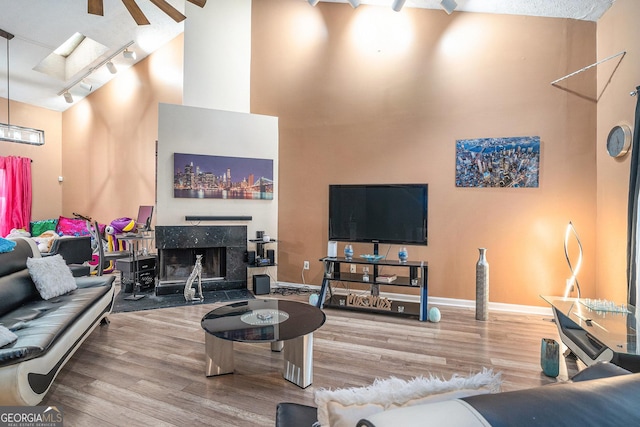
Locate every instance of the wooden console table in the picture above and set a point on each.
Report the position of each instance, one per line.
(417, 278)
(597, 335)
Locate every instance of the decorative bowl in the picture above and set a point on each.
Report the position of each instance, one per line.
(370, 257)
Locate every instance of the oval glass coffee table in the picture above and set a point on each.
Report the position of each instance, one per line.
(287, 324)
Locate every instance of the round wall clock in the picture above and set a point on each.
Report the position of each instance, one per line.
(619, 141)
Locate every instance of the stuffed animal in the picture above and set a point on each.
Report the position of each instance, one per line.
(45, 240)
(118, 226)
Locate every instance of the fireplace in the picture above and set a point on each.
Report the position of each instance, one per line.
(178, 264)
(222, 249)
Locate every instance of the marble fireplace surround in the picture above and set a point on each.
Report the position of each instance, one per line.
(188, 237)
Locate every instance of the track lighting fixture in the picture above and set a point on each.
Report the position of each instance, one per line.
(129, 54)
(397, 5)
(313, 2)
(354, 3)
(68, 97)
(88, 86)
(112, 68)
(449, 6)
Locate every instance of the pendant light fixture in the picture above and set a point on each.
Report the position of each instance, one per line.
(13, 133)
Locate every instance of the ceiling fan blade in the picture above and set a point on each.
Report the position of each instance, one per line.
(95, 7)
(200, 3)
(169, 10)
(136, 12)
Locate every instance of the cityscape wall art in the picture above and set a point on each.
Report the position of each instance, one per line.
(498, 162)
(197, 176)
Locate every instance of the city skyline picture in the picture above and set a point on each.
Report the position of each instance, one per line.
(498, 162)
(198, 176)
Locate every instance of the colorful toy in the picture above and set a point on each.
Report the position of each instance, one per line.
(117, 226)
(96, 239)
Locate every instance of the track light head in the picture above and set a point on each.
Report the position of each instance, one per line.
(112, 68)
(84, 84)
(449, 6)
(129, 54)
(354, 3)
(313, 2)
(397, 5)
(68, 97)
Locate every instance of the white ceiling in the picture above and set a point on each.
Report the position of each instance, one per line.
(40, 26)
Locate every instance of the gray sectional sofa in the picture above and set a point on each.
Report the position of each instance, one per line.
(49, 331)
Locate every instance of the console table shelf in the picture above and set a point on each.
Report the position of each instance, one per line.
(357, 278)
(417, 278)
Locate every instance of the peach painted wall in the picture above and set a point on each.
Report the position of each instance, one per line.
(373, 96)
(47, 158)
(110, 138)
(618, 31)
(350, 112)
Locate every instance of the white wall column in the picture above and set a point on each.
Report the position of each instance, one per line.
(217, 55)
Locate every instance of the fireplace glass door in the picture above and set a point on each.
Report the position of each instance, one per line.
(176, 264)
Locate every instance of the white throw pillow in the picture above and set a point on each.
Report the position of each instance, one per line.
(345, 407)
(6, 336)
(51, 276)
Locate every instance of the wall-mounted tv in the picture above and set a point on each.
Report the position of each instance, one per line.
(379, 213)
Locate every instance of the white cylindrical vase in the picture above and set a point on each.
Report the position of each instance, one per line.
(332, 249)
(482, 286)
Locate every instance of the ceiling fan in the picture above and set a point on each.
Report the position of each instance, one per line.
(96, 7)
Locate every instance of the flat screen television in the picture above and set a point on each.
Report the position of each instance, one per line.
(379, 213)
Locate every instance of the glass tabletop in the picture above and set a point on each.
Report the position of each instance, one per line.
(616, 327)
(263, 320)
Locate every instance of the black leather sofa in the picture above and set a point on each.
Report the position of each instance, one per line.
(49, 332)
(601, 395)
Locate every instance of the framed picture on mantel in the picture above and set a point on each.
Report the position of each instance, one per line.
(197, 176)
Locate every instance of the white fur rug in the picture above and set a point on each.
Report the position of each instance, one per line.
(347, 406)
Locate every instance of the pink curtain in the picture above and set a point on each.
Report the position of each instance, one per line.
(15, 193)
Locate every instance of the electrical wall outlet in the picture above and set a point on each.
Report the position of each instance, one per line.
(365, 269)
(305, 265)
(352, 268)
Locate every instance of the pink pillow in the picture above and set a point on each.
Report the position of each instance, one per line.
(71, 227)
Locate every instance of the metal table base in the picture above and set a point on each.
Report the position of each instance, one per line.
(297, 355)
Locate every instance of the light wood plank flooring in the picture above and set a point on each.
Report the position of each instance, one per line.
(147, 368)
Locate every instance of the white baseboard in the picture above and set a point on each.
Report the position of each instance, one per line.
(453, 302)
